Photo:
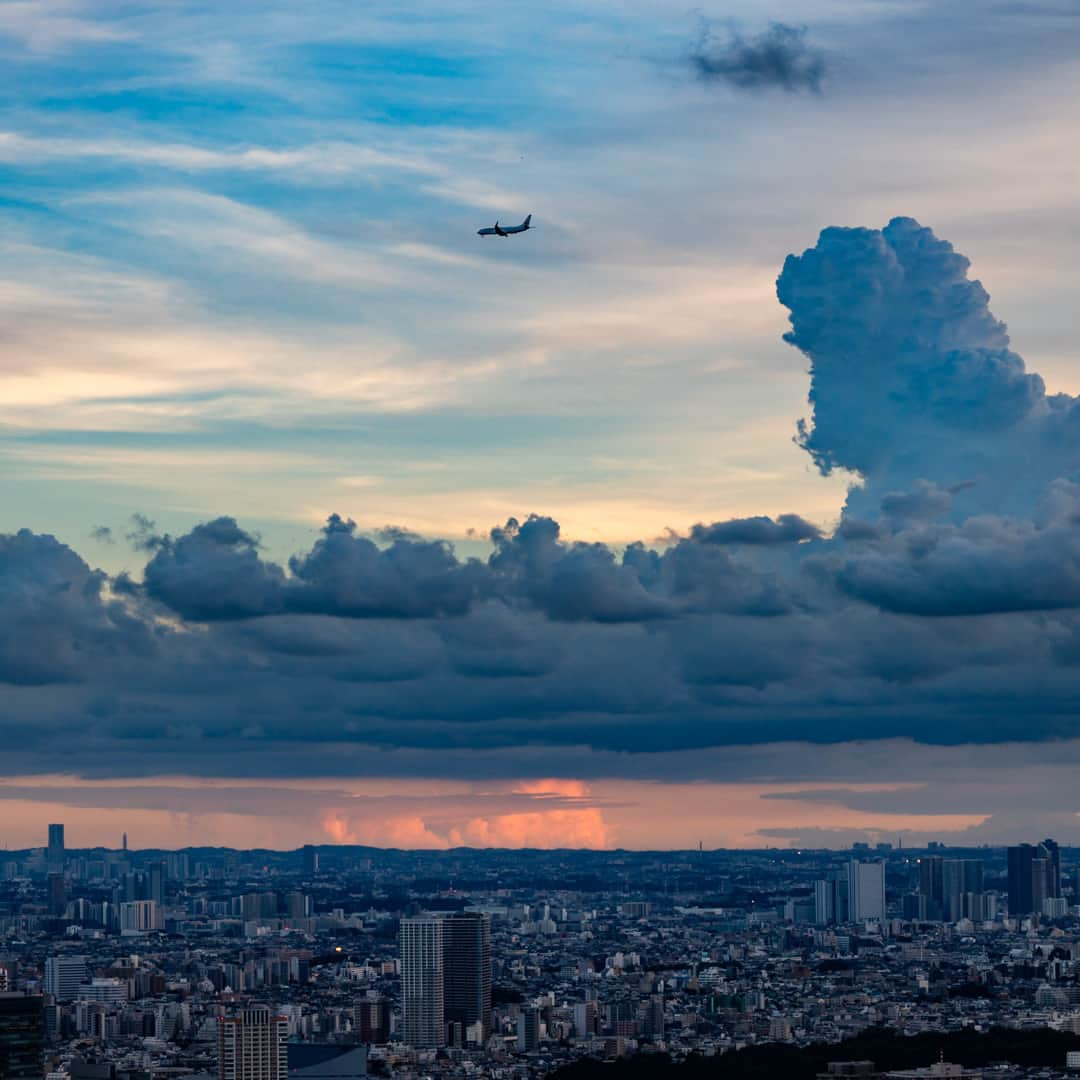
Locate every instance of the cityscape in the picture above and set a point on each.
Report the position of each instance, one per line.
(539, 541)
(335, 961)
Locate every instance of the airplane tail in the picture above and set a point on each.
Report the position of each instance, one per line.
(527, 220)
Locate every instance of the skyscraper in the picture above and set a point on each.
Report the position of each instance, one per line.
(1021, 900)
(931, 885)
(422, 989)
(56, 846)
(310, 861)
(22, 1037)
(467, 970)
(57, 893)
(961, 879)
(866, 890)
(1050, 851)
(252, 1045)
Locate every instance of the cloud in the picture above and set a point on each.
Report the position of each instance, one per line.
(943, 608)
(911, 376)
(786, 529)
(780, 57)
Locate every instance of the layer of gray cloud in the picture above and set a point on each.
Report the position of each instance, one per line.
(943, 608)
(780, 57)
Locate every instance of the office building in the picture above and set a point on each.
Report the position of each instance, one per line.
(1020, 859)
(310, 861)
(57, 893)
(1051, 852)
(253, 1045)
(960, 879)
(528, 1031)
(22, 1037)
(56, 846)
(1034, 877)
(422, 982)
(866, 891)
(155, 883)
(931, 886)
(467, 970)
(64, 975)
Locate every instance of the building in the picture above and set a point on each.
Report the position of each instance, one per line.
(310, 861)
(252, 1045)
(109, 991)
(56, 845)
(371, 1021)
(22, 1037)
(422, 982)
(831, 900)
(467, 970)
(960, 880)
(1034, 877)
(139, 917)
(57, 893)
(866, 891)
(314, 1061)
(528, 1031)
(1020, 859)
(64, 975)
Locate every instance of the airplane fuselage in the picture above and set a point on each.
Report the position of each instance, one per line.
(506, 230)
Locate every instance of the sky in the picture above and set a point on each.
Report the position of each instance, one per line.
(735, 503)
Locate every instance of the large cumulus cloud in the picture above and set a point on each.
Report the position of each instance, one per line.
(944, 605)
(912, 377)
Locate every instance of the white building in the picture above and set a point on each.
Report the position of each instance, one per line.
(866, 891)
(422, 999)
(106, 990)
(64, 975)
(139, 917)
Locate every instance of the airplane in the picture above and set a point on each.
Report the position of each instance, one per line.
(498, 230)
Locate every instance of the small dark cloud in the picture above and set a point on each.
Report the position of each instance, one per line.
(142, 535)
(780, 57)
(102, 534)
(757, 531)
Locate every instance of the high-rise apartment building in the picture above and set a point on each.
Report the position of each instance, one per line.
(253, 1045)
(139, 917)
(64, 975)
(467, 970)
(371, 1020)
(22, 1037)
(422, 985)
(866, 890)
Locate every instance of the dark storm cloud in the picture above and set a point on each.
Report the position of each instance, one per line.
(779, 57)
(54, 614)
(945, 607)
(786, 529)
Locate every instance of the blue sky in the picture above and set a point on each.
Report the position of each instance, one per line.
(240, 278)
